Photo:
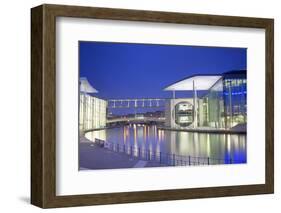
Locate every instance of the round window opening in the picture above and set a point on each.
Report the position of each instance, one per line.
(184, 113)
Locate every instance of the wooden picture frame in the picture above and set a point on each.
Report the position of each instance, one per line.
(43, 105)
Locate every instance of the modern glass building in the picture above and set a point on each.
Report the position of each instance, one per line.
(223, 105)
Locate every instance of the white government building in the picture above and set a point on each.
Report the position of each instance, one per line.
(92, 113)
(223, 106)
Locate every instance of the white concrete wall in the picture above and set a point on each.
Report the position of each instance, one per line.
(92, 112)
(170, 111)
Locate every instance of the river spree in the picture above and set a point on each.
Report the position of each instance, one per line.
(198, 145)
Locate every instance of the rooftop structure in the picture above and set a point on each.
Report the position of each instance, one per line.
(203, 82)
(200, 82)
(86, 87)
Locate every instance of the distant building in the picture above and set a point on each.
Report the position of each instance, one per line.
(223, 106)
(92, 110)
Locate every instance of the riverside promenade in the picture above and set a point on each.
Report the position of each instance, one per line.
(93, 156)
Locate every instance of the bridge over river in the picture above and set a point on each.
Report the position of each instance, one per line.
(136, 120)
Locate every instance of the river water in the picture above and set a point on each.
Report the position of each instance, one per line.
(197, 145)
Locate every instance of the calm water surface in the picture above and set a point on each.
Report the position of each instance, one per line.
(217, 146)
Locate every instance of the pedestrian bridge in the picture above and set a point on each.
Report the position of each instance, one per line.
(136, 103)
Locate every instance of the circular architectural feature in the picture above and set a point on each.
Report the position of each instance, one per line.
(184, 113)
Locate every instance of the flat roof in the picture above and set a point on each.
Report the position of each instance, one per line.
(201, 82)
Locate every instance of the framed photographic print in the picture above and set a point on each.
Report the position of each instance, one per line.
(136, 106)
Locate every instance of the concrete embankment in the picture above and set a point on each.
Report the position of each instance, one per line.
(93, 156)
(205, 130)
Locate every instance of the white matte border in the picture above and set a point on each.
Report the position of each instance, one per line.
(70, 181)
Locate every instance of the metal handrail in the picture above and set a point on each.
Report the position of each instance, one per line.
(160, 157)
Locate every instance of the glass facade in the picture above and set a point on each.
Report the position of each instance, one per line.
(225, 105)
(235, 96)
(92, 112)
(213, 106)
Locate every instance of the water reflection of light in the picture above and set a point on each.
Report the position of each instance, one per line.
(242, 144)
(150, 150)
(144, 133)
(172, 142)
(208, 146)
(135, 134)
(143, 151)
(125, 129)
(228, 144)
(163, 135)
(148, 137)
(158, 147)
(136, 148)
(140, 136)
(182, 144)
(235, 143)
(155, 132)
(160, 135)
(195, 142)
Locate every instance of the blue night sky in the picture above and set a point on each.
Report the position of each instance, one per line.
(127, 70)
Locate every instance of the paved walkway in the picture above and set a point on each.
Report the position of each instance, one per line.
(140, 164)
(92, 156)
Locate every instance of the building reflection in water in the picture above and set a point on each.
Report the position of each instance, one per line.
(144, 137)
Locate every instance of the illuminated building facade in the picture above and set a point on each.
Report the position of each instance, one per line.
(179, 112)
(92, 110)
(223, 106)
